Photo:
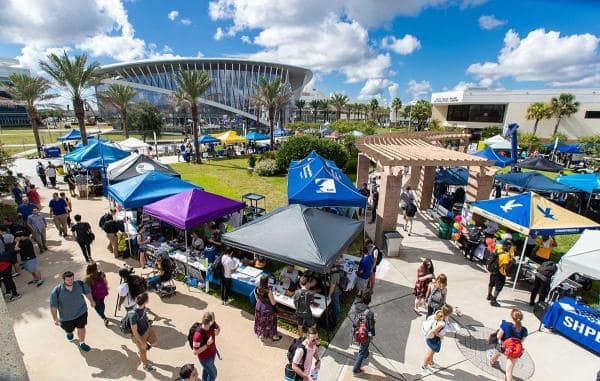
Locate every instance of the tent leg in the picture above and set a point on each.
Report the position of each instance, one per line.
(520, 263)
(187, 257)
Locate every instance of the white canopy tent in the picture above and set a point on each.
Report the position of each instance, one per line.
(582, 258)
(497, 142)
(133, 144)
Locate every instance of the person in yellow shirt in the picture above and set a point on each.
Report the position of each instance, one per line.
(545, 245)
(498, 272)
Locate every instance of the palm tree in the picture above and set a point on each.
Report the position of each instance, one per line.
(75, 75)
(373, 106)
(29, 90)
(272, 96)
(180, 106)
(396, 106)
(563, 106)
(338, 101)
(120, 96)
(300, 103)
(537, 111)
(315, 104)
(324, 105)
(190, 86)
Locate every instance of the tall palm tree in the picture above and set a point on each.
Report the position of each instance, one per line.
(180, 106)
(29, 90)
(190, 86)
(373, 106)
(396, 106)
(315, 104)
(338, 102)
(324, 105)
(563, 106)
(300, 104)
(272, 96)
(538, 111)
(75, 75)
(120, 96)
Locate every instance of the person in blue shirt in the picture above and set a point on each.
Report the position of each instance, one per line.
(60, 212)
(364, 270)
(17, 194)
(25, 209)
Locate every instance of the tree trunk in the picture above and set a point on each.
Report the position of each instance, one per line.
(80, 115)
(125, 124)
(300, 114)
(315, 111)
(556, 125)
(271, 116)
(35, 127)
(338, 114)
(195, 128)
(535, 126)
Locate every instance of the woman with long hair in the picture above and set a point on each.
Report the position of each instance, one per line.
(424, 277)
(437, 292)
(434, 338)
(510, 337)
(96, 280)
(265, 314)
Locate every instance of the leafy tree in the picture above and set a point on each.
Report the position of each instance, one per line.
(563, 106)
(530, 141)
(591, 145)
(300, 104)
(346, 126)
(303, 125)
(120, 96)
(75, 75)
(30, 90)
(324, 105)
(562, 138)
(297, 147)
(490, 131)
(418, 113)
(315, 104)
(373, 106)
(190, 86)
(338, 102)
(272, 96)
(538, 111)
(146, 117)
(396, 106)
(435, 125)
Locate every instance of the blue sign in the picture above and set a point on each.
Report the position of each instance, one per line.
(577, 322)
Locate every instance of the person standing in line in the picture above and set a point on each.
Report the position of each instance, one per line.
(375, 197)
(364, 190)
(17, 193)
(364, 270)
(364, 319)
(37, 224)
(96, 281)
(142, 239)
(541, 284)
(510, 337)
(434, 338)
(230, 265)
(25, 209)
(265, 314)
(205, 347)
(84, 237)
(6, 262)
(51, 173)
(335, 290)
(437, 292)
(111, 227)
(424, 277)
(142, 333)
(24, 247)
(498, 272)
(70, 179)
(59, 210)
(374, 253)
(34, 196)
(67, 303)
(302, 362)
(69, 207)
(41, 172)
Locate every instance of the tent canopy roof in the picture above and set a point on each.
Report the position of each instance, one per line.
(191, 208)
(540, 163)
(498, 142)
(583, 258)
(135, 165)
(207, 139)
(489, 154)
(279, 132)
(253, 136)
(530, 213)
(534, 181)
(105, 152)
(91, 140)
(565, 148)
(132, 144)
(587, 182)
(297, 235)
(452, 176)
(71, 135)
(146, 189)
(230, 137)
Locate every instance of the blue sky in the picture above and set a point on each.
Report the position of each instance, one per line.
(365, 49)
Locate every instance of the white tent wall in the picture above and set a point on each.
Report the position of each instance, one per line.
(583, 258)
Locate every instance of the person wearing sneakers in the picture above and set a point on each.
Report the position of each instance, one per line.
(6, 262)
(68, 307)
(24, 247)
(436, 331)
(142, 333)
(37, 224)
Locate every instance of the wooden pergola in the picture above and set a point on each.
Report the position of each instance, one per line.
(417, 155)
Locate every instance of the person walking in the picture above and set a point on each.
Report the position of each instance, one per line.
(96, 281)
(510, 337)
(41, 172)
(498, 267)
(230, 265)
(7, 258)
(303, 298)
(59, 212)
(424, 277)
(24, 247)
(51, 173)
(409, 216)
(37, 224)
(405, 197)
(84, 237)
(375, 198)
(437, 292)
(131, 286)
(363, 326)
(433, 338)
(541, 284)
(265, 314)
(17, 193)
(142, 333)
(34, 196)
(363, 273)
(25, 209)
(69, 207)
(205, 347)
(68, 307)
(70, 179)
(302, 362)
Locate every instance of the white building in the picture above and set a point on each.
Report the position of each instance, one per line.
(481, 108)
(311, 94)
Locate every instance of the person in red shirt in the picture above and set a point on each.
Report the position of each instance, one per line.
(34, 196)
(204, 345)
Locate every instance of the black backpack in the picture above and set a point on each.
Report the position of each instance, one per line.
(296, 343)
(344, 281)
(303, 303)
(436, 299)
(379, 255)
(104, 219)
(193, 329)
(411, 209)
(217, 268)
(491, 264)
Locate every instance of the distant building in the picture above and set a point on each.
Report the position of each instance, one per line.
(311, 94)
(480, 108)
(11, 115)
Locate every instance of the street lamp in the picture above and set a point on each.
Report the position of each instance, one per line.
(411, 104)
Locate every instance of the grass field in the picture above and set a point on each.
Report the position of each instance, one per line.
(26, 137)
(550, 175)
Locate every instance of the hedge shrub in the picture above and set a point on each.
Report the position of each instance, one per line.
(266, 167)
(298, 147)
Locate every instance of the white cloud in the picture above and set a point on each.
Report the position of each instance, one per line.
(245, 39)
(393, 90)
(121, 48)
(417, 89)
(471, 3)
(571, 60)
(173, 15)
(489, 22)
(219, 34)
(186, 21)
(403, 46)
(376, 87)
(462, 85)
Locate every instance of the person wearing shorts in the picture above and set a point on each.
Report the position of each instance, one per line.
(142, 333)
(68, 307)
(365, 266)
(24, 247)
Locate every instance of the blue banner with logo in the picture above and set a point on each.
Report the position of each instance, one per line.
(577, 322)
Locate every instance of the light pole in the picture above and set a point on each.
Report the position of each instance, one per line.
(411, 104)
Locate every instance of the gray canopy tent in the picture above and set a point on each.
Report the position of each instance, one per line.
(297, 235)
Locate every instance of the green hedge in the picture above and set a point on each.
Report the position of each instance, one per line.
(296, 148)
(346, 126)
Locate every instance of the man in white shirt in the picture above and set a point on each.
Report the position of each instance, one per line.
(230, 265)
(288, 276)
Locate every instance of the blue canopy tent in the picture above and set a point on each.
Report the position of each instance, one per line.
(207, 139)
(105, 152)
(452, 176)
(91, 140)
(279, 132)
(311, 156)
(587, 182)
(534, 181)
(254, 136)
(565, 148)
(71, 135)
(146, 189)
(326, 131)
(316, 183)
(490, 154)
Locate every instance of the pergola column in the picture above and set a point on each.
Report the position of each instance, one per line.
(362, 170)
(426, 181)
(389, 204)
(480, 184)
(415, 176)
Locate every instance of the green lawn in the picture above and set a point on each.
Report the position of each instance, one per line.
(550, 175)
(382, 130)
(25, 136)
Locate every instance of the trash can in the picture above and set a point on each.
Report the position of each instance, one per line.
(445, 227)
(392, 243)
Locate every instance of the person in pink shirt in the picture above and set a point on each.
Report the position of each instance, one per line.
(308, 351)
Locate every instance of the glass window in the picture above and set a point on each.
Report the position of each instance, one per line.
(486, 113)
(592, 115)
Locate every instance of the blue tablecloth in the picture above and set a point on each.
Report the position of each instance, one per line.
(244, 287)
(577, 322)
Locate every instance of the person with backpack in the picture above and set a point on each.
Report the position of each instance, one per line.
(60, 211)
(24, 247)
(363, 326)
(131, 286)
(425, 274)
(41, 172)
(509, 342)
(335, 289)
(68, 307)
(265, 313)
(142, 333)
(437, 292)
(84, 237)
(204, 345)
(7, 258)
(433, 329)
(96, 281)
(111, 227)
(300, 356)
(541, 284)
(498, 264)
(409, 216)
(363, 273)
(302, 301)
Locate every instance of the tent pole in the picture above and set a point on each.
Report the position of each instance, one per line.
(520, 263)
(187, 260)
